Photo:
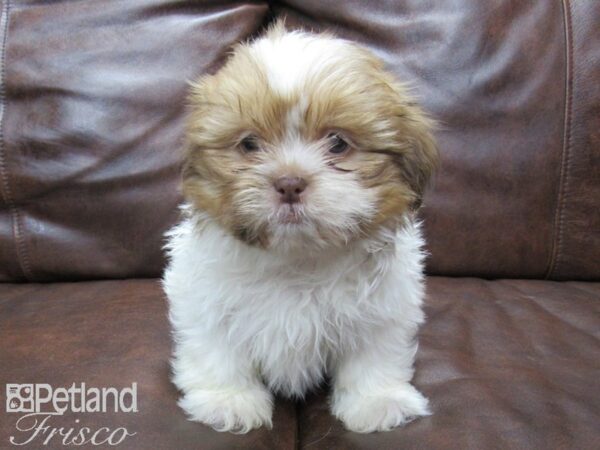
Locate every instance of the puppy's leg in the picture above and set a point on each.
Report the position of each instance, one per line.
(372, 390)
(220, 387)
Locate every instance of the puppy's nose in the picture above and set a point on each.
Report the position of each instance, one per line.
(290, 188)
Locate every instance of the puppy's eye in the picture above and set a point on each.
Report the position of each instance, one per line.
(249, 144)
(337, 144)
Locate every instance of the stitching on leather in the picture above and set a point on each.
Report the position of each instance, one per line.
(4, 185)
(566, 153)
(22, 257)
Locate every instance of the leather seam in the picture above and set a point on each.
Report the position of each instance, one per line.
(20, 248)
(559, 216)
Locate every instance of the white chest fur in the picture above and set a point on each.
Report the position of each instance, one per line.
(289, 317)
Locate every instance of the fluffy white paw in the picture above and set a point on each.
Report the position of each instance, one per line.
(379, 412)
(234, 410)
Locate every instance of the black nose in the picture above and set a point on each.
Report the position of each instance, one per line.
(290, 188)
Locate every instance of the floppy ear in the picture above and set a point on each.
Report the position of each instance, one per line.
(195, 171)
(420, 157)
(417, 155)
(196, 98)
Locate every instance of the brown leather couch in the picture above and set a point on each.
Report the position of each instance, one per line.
(92, 102)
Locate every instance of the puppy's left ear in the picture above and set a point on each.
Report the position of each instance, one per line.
(418, 155)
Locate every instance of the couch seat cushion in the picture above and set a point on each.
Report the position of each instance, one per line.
(108, 334)
(505, 364)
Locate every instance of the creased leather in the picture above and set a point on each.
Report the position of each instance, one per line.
(95, 105)
(577, 233)
(109, 334)
(494, 74)
(512, 364)
(505, 364)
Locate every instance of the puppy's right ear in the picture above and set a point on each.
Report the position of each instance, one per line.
(198, 97)
(188, 171)
(197, 108)
(199, 104)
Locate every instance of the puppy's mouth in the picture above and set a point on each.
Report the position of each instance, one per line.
(290, 215)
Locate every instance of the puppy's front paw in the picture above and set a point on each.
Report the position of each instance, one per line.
(234, 410)
(379, 412)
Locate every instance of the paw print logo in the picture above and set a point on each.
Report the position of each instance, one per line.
(19, 398)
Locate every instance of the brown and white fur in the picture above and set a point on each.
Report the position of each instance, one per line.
(299, 256)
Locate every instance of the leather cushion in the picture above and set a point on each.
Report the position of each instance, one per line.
(505, 364)
(109, 334)
(512, 86)
(94, 106)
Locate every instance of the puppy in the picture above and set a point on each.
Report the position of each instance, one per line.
(298, 255)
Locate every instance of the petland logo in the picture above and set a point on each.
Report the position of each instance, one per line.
(41, 402)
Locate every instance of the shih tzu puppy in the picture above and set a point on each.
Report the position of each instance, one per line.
(298, 256)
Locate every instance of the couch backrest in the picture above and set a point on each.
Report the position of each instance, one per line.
(92, 110)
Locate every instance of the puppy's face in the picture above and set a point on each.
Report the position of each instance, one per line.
(303, 141)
